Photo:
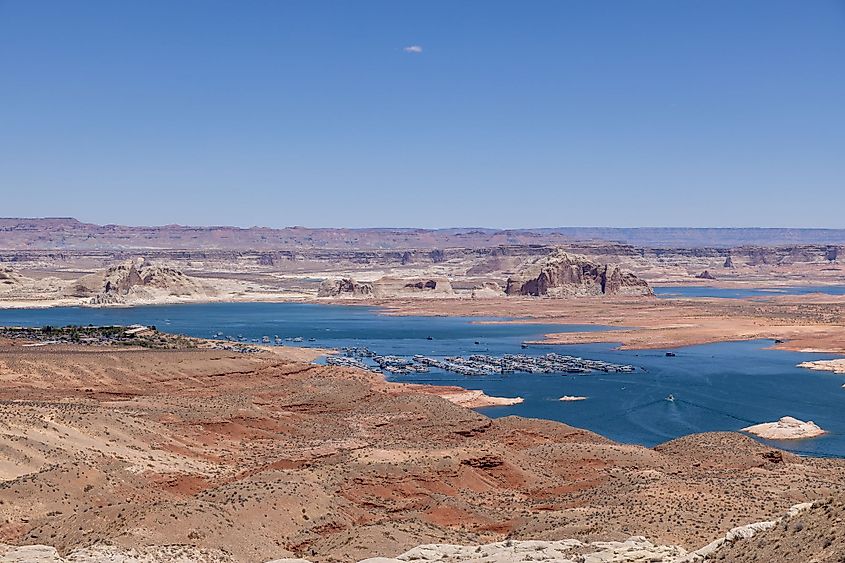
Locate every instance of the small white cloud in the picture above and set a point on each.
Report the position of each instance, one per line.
(416, 49)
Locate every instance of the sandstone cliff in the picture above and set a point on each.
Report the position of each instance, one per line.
(138, 282)
(561, 275)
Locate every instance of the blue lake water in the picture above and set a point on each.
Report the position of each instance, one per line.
(724, 386)
(669, 291)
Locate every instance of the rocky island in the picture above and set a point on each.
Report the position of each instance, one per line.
(787, 428)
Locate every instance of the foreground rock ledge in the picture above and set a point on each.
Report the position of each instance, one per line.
(636, 549)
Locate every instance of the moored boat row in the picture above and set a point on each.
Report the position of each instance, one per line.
(483, 364)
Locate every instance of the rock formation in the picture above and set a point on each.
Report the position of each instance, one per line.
(836, 366)
(138, 282)
(561, 274)
(706, 275)
(634, 549)
(487, 290)
(386, 288)
(729, 263)
(787, 428)
(266, 260)
(8, 277)
(437, 256)
(345, 287)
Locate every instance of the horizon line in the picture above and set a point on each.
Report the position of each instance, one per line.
(398, 228)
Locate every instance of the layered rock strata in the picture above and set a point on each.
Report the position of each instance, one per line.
(562, 275)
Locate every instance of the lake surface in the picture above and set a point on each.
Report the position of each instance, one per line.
(724, 386)
(669, 291)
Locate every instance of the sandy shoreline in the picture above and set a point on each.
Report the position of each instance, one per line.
(796, 323)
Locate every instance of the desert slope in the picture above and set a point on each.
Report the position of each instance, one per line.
(264, 457)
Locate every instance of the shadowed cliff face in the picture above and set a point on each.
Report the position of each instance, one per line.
(561, 274)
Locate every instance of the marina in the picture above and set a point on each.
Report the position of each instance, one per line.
(475, 364)
(715, 387)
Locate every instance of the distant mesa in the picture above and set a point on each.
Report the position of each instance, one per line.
(787, 428)
(564, 275)
(706, 275)
(69, 234)
(729, 263)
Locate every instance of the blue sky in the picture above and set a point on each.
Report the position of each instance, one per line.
(510, 114)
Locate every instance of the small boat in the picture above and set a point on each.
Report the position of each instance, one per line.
(670, 354)
(670, 398)
(429, 338)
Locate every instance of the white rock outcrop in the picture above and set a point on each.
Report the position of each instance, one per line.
(633, 550)
(836, 366)
(787, 428)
